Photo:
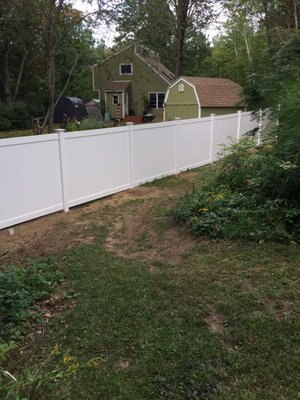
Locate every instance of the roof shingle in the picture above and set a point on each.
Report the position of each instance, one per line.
(216, 92)
(116, 86)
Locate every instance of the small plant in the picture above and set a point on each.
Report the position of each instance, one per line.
(19, 289)
(29, 385)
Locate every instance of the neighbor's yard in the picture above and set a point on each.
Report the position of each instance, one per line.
(144, 311)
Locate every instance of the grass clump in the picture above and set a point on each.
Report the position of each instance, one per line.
(249, 196)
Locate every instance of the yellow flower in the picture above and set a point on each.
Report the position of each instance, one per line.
(203, 209)
(68, 359)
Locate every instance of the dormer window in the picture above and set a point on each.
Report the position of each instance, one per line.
(126, 69)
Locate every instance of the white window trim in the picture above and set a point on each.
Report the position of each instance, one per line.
(120, 65)
(156, 93)
(112, 99)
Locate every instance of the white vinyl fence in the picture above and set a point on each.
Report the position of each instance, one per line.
(43, 174)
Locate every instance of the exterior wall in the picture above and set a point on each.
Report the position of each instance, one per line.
(181, 104)
(142, 81)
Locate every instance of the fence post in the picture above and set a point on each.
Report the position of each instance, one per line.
(130, 150)
(177, 127)
(238, 134)
(212, 124)
(61, 139)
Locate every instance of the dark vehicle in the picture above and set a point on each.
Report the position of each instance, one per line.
(69, 108)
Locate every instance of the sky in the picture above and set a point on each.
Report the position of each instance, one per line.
(101, 32)
(108, 34)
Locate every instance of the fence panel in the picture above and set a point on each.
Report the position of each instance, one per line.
(30, 178)
(193, 145)
(97, 164)
(44, 174)
(153, 151)
(248, 122)
(225, 130)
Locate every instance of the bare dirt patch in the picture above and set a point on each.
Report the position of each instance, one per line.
(215, 322)
(122, 363)
(133, 228)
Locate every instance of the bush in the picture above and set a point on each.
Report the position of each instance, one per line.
(15, 116)
(256, 170)
(247, 198)
(85, 124)
(235, 215)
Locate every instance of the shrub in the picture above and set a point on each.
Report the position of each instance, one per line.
(15, 116)
(235, 215)
(256, 170)
(85, 124)
(248, 197)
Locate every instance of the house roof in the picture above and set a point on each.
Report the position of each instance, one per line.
(216, 92)
(116, 86)
(160, 68)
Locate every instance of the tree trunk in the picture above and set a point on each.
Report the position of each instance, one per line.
(181, 25)
(268, 27)
(20, 75)
(6, 79)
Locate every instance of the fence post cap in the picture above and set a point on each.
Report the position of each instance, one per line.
(177, 118)
(59, 130)
(129, 123)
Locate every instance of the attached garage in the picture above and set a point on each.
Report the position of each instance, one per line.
(196, 97)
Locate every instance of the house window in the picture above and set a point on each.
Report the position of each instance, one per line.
(181, 87)
(156, 100)
(115, 99)
(126, 69)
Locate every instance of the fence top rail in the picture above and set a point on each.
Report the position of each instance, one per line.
(28, 139)
(156, 125)
(95, 132)
(195, 120)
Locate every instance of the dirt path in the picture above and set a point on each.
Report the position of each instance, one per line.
(133, 230)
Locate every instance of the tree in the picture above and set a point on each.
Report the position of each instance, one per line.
(162, 25)
(18, 38)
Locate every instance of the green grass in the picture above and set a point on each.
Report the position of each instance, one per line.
(15, 133)
(222, 324)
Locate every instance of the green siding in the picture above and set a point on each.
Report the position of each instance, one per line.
(181, 104)
(143, 80)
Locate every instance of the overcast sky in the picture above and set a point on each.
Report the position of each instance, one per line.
(108, 34)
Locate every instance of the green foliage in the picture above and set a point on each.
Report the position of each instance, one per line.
(233, 215)
(86, 124)
(20, 287)
(30, 384)
(251, 197)
(14, 116)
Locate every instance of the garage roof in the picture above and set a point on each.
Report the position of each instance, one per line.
(216, 92)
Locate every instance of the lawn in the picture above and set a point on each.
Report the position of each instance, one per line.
(145, 311)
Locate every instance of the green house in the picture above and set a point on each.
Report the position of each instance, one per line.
(131, 82)
(196, 97)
